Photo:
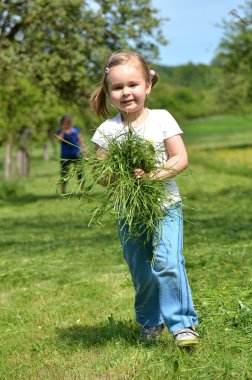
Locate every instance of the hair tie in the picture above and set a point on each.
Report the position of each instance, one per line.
(107, 70)
(152, 73)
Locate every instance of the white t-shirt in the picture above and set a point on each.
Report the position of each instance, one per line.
(158, 126)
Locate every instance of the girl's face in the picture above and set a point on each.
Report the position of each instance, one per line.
(67, 123)
(127, 89)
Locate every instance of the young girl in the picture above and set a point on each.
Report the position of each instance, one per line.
(162, 292)
(71, 144)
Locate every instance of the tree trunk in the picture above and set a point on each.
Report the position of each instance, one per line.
(46, 151)
(23, 162)
(23, 158)
(8, 158)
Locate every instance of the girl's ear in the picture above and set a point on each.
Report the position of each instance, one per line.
(148, 89)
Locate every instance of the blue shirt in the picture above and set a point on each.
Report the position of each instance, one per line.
(70, 148)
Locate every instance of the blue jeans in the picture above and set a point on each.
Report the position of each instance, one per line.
(65, 167)
(162, 292)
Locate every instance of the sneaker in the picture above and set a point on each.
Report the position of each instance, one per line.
(186, 337)
(151, 333)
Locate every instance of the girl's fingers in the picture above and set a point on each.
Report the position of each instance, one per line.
(138, 172)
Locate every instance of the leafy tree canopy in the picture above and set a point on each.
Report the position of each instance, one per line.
(60, 44)
(235, 58)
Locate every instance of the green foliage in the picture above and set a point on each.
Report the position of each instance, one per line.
(187, 91)
(182, 102)
(225, 86)
(195, 76)
(62, 44)
(51, 54)
(138, 203)
(235, 60)
(22, 104)
(132, 152)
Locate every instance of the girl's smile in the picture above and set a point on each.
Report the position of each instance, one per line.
(127, 89)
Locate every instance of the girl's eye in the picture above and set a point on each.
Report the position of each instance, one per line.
(118, 88)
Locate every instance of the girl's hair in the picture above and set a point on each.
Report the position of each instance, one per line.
(65, 117)
(99, 96)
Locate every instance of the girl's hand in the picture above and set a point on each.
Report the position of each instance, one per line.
(176, 163)
(155, 174)
(139, 173)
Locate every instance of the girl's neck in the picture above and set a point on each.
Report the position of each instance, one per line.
(135, 119)
(68, 129)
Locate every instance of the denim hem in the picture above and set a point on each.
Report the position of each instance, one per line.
(149, 323)
(180, 326)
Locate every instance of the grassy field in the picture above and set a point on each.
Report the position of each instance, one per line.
(66, 296)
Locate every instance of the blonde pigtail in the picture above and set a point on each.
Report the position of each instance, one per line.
(154, 79)
(98, 101)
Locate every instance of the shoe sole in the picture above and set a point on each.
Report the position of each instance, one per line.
(187, 343)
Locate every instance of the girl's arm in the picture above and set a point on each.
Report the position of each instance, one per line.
(83, 144)
(101, 154)
(177, 162)
(60, 135)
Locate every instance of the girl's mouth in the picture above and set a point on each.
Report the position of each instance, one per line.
(127, 101)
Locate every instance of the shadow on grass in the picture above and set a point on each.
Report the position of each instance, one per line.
(46, 175)
(225, 219)
(114, 331)
(30, 198)
(99, 335)
(222, 228)
(220, 146)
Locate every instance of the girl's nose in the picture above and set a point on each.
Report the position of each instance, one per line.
(125, 91)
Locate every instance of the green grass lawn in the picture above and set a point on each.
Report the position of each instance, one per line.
(66, 296)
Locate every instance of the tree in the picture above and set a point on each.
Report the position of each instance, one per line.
(61, 42)
(234, 59)
(195, 76)
(57, 46)
(21, 104)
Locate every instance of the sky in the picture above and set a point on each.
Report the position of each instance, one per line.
(191, 31)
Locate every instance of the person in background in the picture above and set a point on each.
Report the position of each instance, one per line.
(72, 146)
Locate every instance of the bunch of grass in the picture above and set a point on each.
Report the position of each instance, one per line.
(137, 202)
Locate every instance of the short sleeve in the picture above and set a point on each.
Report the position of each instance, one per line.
(108, 129)
(99, 137)
(169, 126)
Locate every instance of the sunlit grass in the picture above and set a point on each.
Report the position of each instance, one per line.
(66, 296)
(219, 131)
